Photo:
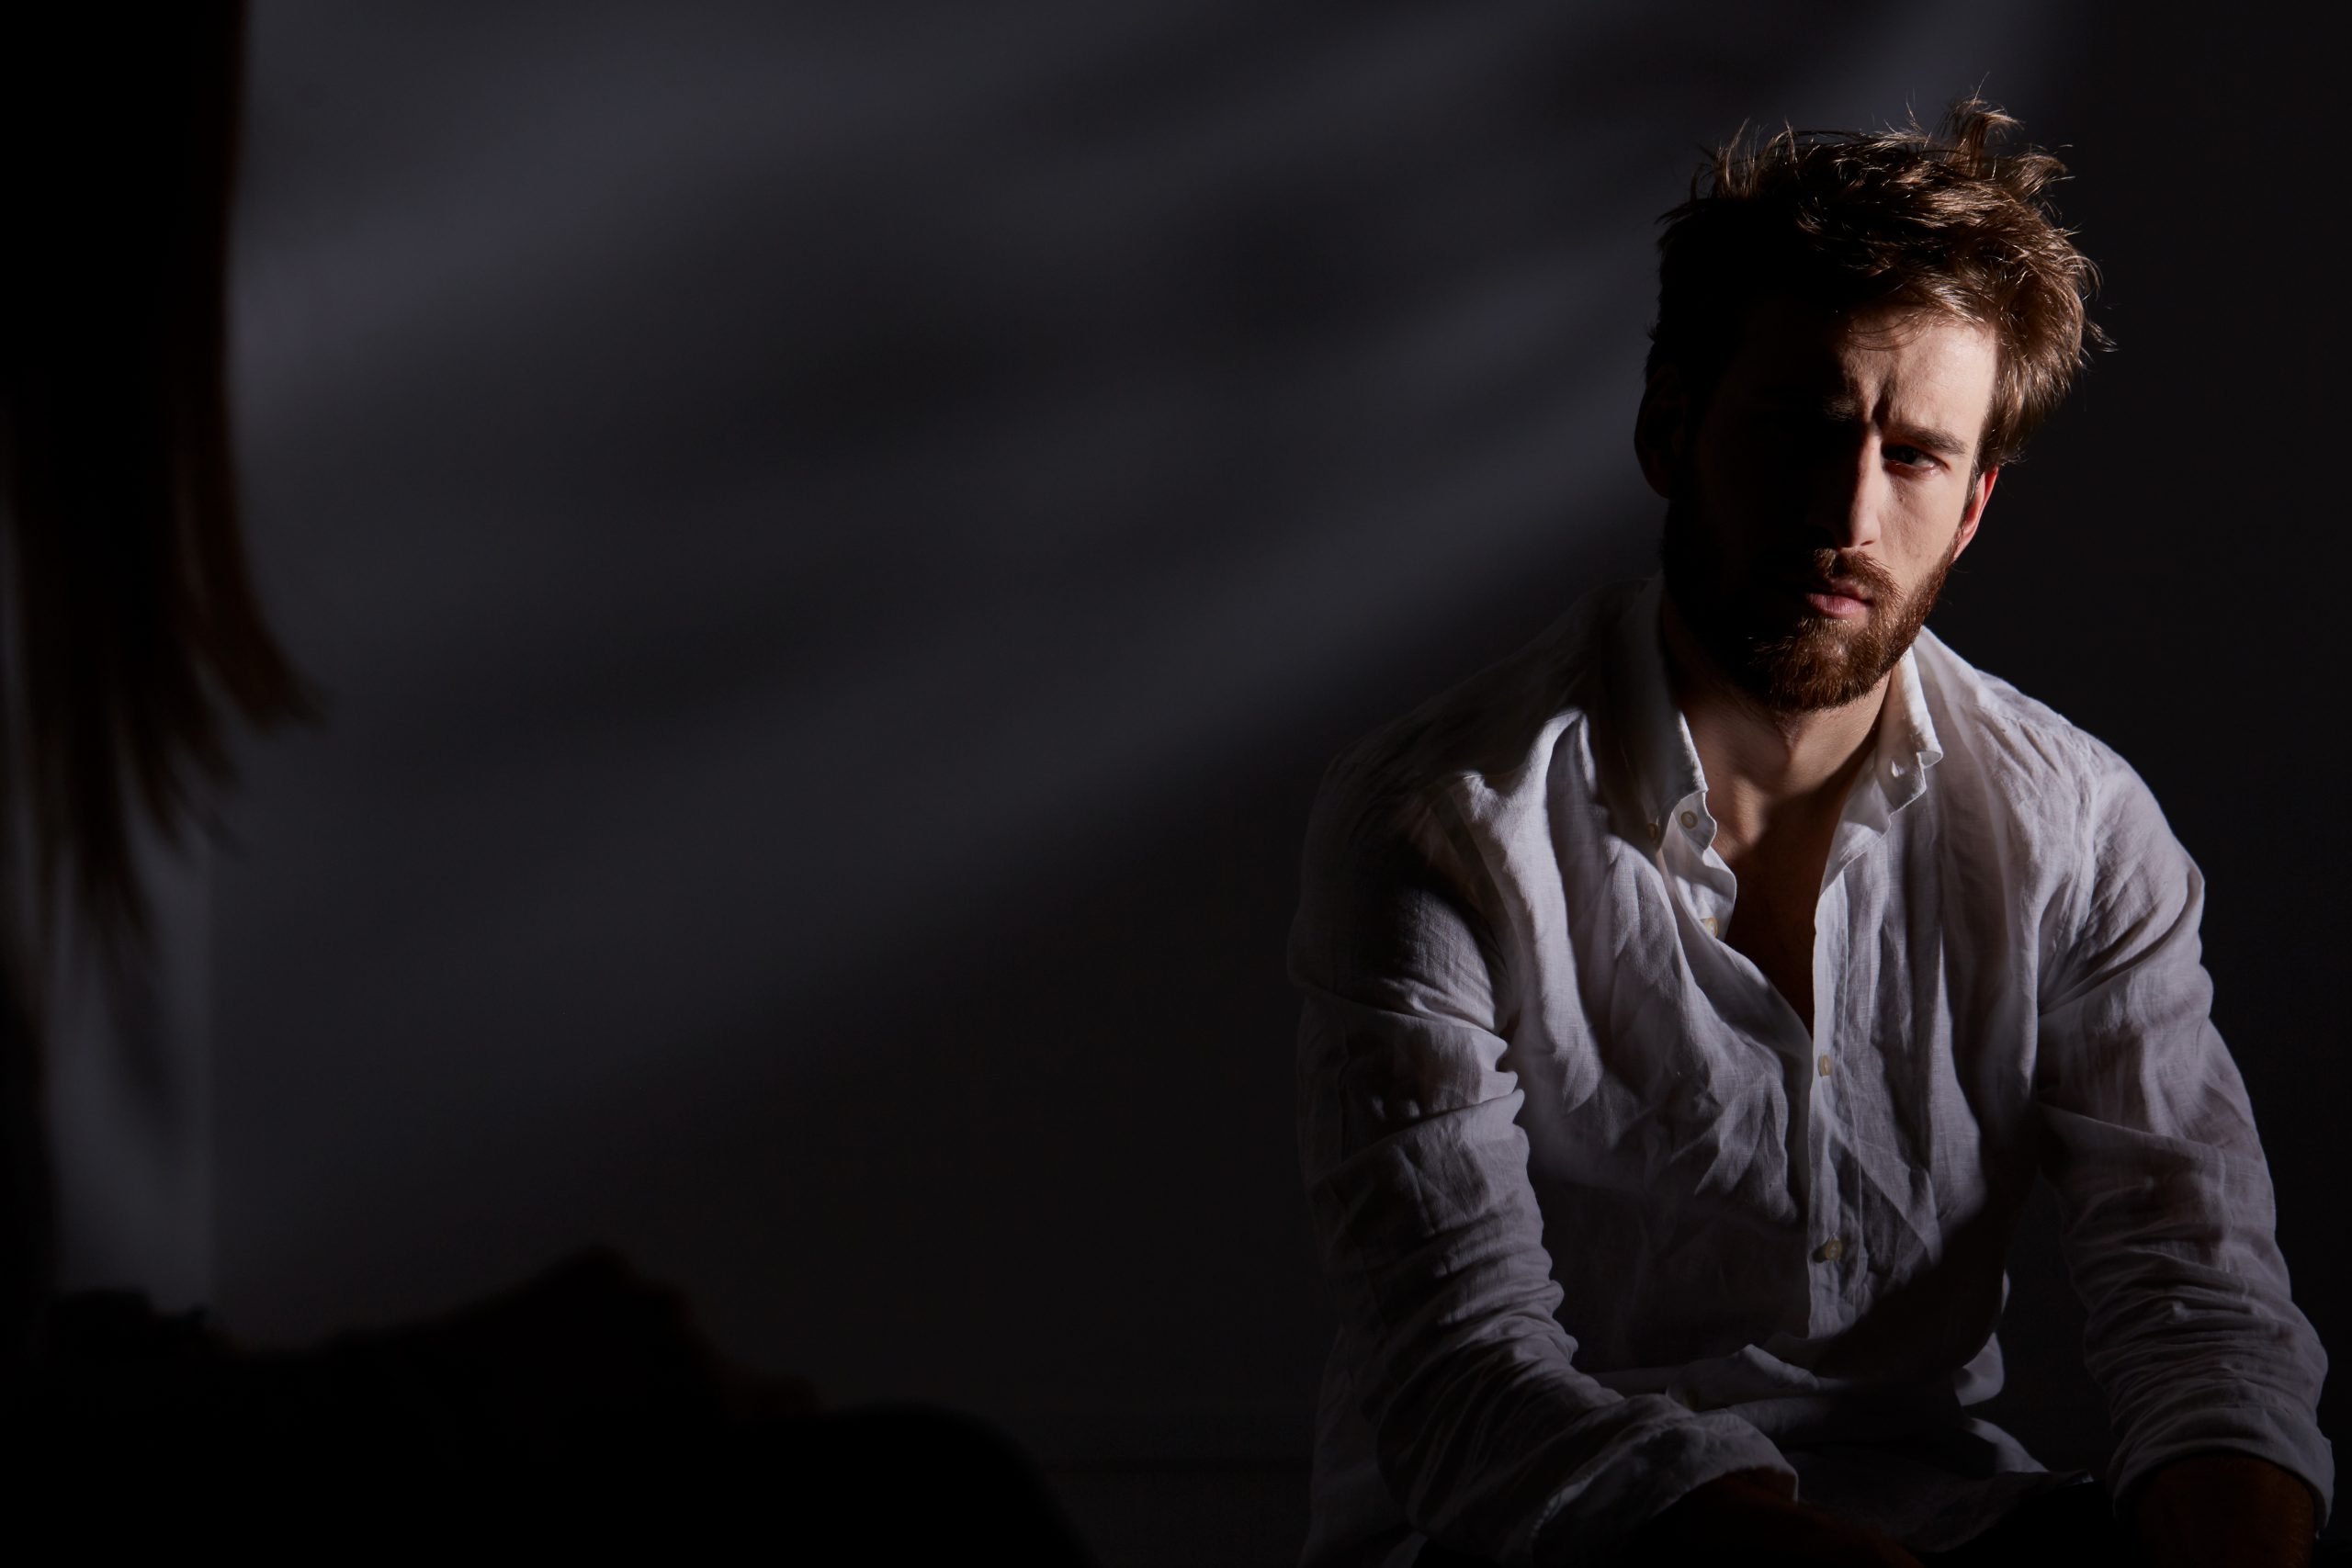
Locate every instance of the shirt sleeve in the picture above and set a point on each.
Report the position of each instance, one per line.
(1486, 1434)
(2164, 1194)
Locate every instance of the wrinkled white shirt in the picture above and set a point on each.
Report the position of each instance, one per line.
(1602, 1219)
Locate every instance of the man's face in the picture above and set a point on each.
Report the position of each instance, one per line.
(1821, 493)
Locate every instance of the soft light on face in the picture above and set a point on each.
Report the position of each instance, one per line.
(1822, 493)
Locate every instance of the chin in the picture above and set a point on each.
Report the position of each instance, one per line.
(1820, 663)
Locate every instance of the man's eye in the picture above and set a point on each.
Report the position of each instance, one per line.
(1909, 456)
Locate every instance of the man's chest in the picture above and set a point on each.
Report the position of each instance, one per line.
(1764, 1049)
(1767, 1167)
(1773, 925)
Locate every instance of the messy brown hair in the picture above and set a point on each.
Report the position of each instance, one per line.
(1947, 222)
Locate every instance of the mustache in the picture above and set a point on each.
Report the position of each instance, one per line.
(1838, 565)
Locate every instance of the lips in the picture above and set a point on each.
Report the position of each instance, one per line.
(1832, 587)
(1834, 598)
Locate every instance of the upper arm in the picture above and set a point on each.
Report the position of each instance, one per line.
(2126, 1035)
(1403, 1032)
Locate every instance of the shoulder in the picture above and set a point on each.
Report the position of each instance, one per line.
(2075, 828)
(1492, 737)
(2019, 744)
(2085, 807)
(1411, 834)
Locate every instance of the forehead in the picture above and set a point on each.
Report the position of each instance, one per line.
(1893, 359)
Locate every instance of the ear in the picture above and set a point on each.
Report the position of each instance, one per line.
(1661, 429)
(1979, 492)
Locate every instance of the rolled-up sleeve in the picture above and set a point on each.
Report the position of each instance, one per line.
(1486, 1434)
(2164, 1193)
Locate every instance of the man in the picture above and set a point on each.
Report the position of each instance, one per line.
(1692, 999)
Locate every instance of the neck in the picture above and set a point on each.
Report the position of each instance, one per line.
(1762, 765)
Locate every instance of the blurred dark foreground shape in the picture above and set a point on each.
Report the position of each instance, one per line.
(581, 1403)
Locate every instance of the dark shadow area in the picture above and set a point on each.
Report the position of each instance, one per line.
(581, 1408)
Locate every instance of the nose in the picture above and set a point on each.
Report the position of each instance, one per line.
(1851, 493)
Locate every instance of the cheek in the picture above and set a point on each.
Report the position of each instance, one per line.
(1753, 461)
(1749, 503)
(1924, 524)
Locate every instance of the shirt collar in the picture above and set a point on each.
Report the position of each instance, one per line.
(1907, 746)
(1666, 759)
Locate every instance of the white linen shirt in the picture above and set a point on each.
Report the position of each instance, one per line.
(1602, 1219)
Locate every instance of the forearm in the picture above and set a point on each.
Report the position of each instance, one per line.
(2165, 1198)
(2223, 1511)
(2192, 1332)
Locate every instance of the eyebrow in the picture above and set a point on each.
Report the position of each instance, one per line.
(1942, 442)
(1927, 438)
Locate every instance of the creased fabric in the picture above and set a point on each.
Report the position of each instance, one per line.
(1604, 1219)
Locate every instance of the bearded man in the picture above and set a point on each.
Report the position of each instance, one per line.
(1692, 1000)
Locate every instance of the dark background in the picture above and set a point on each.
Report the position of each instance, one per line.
(841, 539)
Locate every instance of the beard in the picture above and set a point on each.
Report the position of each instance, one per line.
(1779, 651)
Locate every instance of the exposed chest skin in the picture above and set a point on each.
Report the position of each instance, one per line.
(1779, 883)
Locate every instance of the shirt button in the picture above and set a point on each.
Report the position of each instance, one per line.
(1710, 923)
(1829, 1251)
(1689, 820)
(1824, 1064)
(1653, 832)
